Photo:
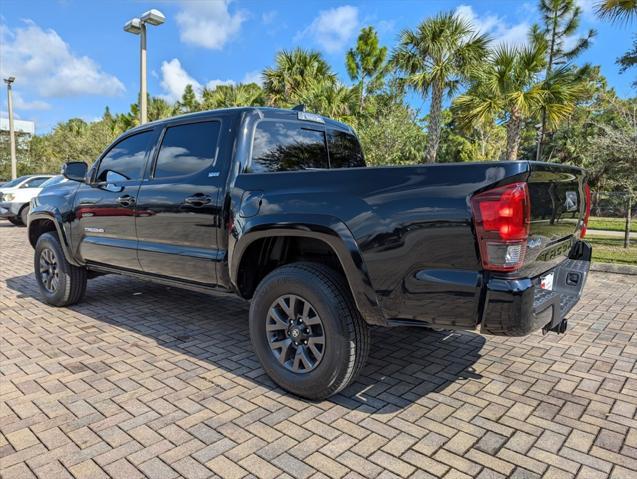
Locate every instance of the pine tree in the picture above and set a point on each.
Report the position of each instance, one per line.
(366, 62)
(561, 19)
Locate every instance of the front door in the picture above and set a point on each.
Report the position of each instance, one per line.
(178, 210)
(105, 208)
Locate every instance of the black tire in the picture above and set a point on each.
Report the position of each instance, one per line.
(61, 283)
(345, 333)
(24, 214)
(15, 221)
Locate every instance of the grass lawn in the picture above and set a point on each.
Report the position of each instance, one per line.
(611, 224)
(611, 250)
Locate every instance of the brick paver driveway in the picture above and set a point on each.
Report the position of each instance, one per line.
(144, 380)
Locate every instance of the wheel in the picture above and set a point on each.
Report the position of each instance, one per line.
(61, 283)
(24, 214)
(306, 330)
(15, 221)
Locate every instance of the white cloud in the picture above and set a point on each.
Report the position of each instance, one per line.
(268, 17)
(22, 104)
(174, 79)
(333, 28)
(496, 27)
(212, 84)
(253, 77)
(208, 24)
(43, 61)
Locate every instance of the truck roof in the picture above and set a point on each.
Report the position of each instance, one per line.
(266, 112)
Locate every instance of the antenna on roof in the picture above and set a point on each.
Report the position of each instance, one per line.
(300, 107)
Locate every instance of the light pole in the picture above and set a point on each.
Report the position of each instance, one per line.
(137, 26)
(14, 162)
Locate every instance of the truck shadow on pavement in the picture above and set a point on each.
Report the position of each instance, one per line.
(211, 334)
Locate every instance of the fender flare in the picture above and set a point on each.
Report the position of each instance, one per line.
(327, 229)
(56, 218)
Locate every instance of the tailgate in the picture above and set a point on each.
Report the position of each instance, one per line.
(558, 206)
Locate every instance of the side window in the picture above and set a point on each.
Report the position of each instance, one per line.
(34, 182)
(345, 151)
(125, 161)
(287, 146)
(187, 149)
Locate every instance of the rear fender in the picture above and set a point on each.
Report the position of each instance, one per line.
(325, 228)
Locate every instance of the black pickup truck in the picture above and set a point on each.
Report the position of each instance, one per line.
(277, 207)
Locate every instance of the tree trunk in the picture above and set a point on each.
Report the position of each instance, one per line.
(514, 127)
(435, 118)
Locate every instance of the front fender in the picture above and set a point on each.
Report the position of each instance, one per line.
(326, 228)
(56, 217)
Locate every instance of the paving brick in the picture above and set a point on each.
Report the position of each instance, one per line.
(164, 383)
(327, 466)
(391, 463)
(491, 443)
(189, 468)
(259, 467)
(156, 469)
(122, 469)
(88, 470)
(22, 439)
(359, 464)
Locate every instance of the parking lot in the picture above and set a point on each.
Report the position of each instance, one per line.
(144, 380)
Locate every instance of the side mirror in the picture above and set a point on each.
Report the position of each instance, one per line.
(75, 170)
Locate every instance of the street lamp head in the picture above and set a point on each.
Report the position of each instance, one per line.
(154, 17)
(133, 26)
(9, 80)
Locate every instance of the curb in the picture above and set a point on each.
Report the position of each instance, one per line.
(614, 268)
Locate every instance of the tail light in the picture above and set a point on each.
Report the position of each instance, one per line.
(587, 213)
(502, 219)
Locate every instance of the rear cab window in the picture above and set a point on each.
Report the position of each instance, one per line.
(280, 145)
(345, 151)
(187, 149)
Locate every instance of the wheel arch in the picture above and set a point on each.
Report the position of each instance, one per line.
(331, 234)
(40, 223)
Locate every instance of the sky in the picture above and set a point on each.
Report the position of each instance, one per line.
(71, 58)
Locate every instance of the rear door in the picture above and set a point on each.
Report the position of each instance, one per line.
(558, 205)
(105, 208)
(178, 210)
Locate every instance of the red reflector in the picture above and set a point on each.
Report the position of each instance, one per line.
(587, 213)
(502, 219)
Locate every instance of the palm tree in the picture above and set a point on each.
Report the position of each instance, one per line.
(292, 74)
(617, 10)
(509, 89)
(438, 56)
(332, 100)
(224, 96)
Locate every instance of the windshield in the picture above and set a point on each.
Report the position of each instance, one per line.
(15, 182)
(52, 181)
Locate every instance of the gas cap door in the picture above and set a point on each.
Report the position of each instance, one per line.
(250, 204)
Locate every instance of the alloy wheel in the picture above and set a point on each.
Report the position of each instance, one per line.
(49, 270)
(295, 333)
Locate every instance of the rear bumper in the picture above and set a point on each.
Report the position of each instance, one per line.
(519, 307)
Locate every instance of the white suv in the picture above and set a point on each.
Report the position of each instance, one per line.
(16, 195)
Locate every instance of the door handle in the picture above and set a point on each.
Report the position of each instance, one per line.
(126, 200)
(198, 200)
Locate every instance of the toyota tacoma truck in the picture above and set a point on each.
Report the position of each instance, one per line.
(277, 207)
